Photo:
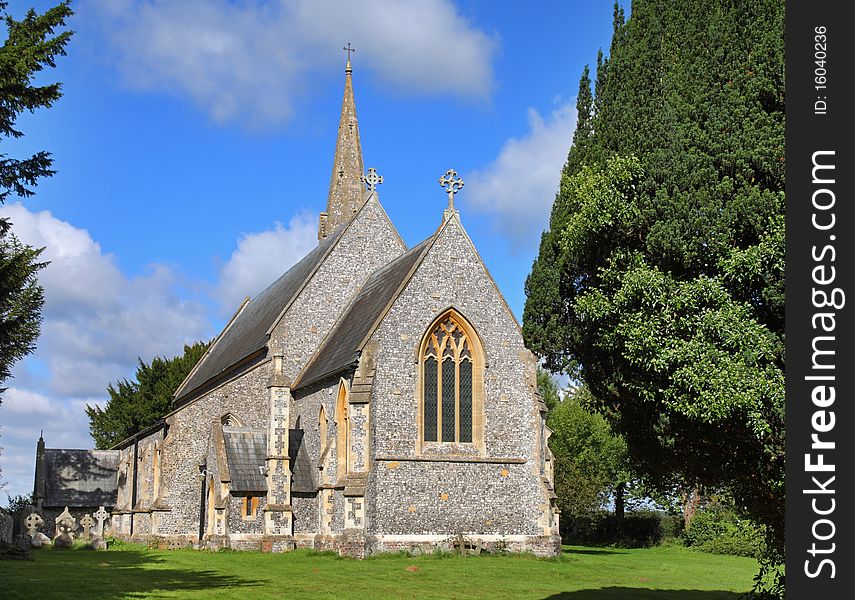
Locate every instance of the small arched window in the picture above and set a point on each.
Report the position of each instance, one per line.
(229, 420)
(450, 362)
(342, 425)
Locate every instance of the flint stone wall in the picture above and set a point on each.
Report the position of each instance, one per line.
(445, 497)
(189, 440)
(370, 242)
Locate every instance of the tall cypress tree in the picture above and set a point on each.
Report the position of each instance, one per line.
(664, 265)
(140, 403)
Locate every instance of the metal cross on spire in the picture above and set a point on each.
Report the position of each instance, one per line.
(452, 184)
(348, 49)
(372, 179)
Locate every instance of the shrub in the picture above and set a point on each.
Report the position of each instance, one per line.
(640, 529)
(718, 530)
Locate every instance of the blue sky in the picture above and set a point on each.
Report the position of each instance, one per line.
(194, 149)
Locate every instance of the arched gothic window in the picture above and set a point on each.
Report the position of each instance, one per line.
(450, 365)
(342, 425)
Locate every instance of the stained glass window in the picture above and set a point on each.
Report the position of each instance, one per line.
(465, 401)
(430, 390)
(448, 397)
(448, 393)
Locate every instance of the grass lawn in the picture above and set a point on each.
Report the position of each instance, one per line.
(581, 573)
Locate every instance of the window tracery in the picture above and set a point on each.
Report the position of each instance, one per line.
(448, 381)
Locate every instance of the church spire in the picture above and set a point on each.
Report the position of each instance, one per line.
(346, 190)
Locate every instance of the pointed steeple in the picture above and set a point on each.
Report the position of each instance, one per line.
(346, 189)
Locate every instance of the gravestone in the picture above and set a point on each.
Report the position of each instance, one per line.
(86, 523)
(6, 524)
(101, 515)
(31, 522)
(40, 540)
(65, 526)
(99, 543)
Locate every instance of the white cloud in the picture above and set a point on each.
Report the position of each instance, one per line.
(248, 61)
(517, 189)
(260, 258)
(97, 321)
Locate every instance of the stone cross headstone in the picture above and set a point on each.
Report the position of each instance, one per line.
(32, 522)
(65, 524)
(86, 522)
(101, 515)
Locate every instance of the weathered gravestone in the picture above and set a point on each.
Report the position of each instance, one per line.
(31, 522)
(101, 515)
(6, 526)
(65, 527)
(98, 541)
(86, 523)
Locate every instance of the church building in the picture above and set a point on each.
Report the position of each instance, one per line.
(373, 398)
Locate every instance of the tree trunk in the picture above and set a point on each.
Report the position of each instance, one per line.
(691, 503)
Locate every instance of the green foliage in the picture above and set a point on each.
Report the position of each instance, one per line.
(589, 461)
(717, 529)
(548, 389)
(29, 47)
(135, 405)
(638, 529)
(21, 300)
(16, 504)
(660, 282)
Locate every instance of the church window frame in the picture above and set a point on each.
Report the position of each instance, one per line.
(450, 350)
(342, 424)
(249, 508)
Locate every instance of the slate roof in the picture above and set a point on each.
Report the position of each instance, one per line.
(80, 478)
(247, 333)
(344, 343)
(302, 473)
(246, 450)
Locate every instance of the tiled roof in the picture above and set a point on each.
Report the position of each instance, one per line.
(247, 334)
(246, 450)
(342, 346)
(80, 478)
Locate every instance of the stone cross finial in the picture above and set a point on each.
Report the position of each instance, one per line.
(349, 49)
(372, 179)
(86, 522)
(452, 184)
(101, 515)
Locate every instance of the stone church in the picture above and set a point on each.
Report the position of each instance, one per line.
(373, 398)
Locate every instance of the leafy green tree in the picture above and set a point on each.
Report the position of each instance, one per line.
(29, 47)
(660, 283)
(590, 463)
(135, 405)
(21, 300)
